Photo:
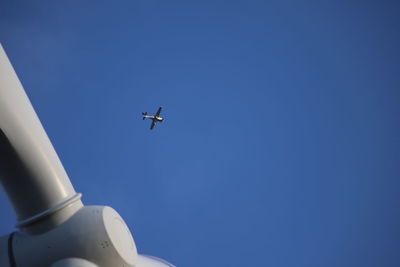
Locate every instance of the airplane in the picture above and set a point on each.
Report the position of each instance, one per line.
(156, 118)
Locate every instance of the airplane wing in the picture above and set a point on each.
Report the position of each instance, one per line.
(153, 123)
(158, 111)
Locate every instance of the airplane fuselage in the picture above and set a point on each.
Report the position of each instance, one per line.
(154, 118)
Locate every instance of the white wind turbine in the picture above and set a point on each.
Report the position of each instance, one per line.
(55, 228)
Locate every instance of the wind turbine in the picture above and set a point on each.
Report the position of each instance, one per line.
(55, 228)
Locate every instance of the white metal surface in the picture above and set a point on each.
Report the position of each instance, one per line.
(91, 233)
(30, 170)
(150, 261)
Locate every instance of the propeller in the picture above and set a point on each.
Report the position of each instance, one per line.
(54, 227)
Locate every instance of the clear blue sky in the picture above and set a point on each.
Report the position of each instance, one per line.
(281, 144)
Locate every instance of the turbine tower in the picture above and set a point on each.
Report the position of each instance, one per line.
(55, 228)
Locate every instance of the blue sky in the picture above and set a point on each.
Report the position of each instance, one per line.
(281, 140)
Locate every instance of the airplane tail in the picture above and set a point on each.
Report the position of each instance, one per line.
(144, 115)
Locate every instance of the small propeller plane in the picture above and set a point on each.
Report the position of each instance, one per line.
(156, 118)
